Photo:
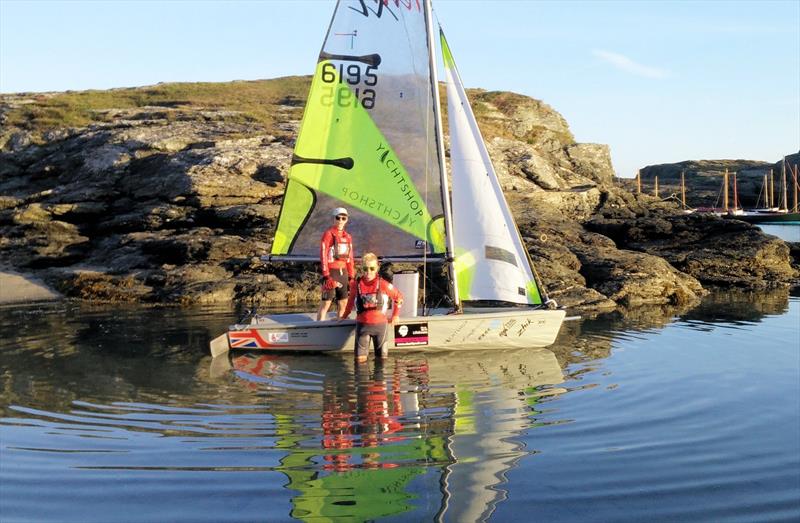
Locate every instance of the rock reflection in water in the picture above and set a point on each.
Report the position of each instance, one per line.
(593, 338)
(58, 353)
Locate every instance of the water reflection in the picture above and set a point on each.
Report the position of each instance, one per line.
(90, 393)
(593, 337)
(399, 436)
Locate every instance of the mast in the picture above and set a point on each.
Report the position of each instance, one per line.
(785, 198)
(794, 179)
(725, 189)
(683, 190)
(764, 190)
(735, 193)
(771, 190)
(448, 215)
(655, 187)
(638, 182)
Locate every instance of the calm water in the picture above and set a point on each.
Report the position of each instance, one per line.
(667, 415)
(788, 231)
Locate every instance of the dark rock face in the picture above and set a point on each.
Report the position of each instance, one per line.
(176, 205)
(714, 251)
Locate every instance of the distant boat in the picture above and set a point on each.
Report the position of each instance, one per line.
(726, 210)
(769, 213)
(768, 216)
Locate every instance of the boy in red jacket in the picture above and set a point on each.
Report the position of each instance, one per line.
(370, 294)
(336, 263)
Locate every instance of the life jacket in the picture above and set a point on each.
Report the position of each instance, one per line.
(370, 301)
(340, 247)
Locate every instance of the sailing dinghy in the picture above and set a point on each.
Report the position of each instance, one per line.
(371, 140)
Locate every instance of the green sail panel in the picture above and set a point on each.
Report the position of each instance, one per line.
(365, 173)
(367, 140)
(292, 216)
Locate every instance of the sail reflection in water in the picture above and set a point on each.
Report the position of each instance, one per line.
(388, 441)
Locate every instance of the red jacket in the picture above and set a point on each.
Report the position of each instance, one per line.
(362, 287)
(336, 252)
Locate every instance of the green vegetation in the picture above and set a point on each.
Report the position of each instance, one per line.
(247, 102)
(251, 101)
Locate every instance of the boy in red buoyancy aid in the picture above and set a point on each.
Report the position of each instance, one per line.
(370, 294)
(336, 263)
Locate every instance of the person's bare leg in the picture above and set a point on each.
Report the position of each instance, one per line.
(362, 345)
(323, 309)
(341, 304)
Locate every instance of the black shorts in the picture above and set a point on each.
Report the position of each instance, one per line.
(340, 293)
(377, 332)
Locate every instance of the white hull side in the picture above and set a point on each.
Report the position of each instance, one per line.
(504, 329)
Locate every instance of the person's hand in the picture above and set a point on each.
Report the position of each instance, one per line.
(394, 320)
(330, 283)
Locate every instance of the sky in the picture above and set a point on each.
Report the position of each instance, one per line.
(658, 81)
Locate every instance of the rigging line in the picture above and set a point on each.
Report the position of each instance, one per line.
(443, 182)
(427, 157)
(428, 120)
(427, 201)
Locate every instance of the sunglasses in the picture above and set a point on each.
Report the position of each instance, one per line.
(370, 268)
(341, 218)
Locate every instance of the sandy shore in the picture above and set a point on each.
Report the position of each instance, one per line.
(18, 288)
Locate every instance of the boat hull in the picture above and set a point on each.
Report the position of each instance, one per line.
(767, 217)
(512, 328)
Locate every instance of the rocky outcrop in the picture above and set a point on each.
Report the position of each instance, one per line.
(588, 270)
(714, 251)
(176, 203)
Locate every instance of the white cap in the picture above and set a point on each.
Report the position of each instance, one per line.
(339, 210)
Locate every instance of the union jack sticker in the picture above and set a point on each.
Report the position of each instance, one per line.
(249, 339)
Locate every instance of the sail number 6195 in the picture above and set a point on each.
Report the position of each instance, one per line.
(351, 75)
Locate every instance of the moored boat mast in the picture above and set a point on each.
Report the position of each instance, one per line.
(683, 190)
(771, 190)
(725, 191)
(785, 196)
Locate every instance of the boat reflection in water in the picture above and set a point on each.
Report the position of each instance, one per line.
(403, 435)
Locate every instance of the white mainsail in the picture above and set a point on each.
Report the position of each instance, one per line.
(490, 259)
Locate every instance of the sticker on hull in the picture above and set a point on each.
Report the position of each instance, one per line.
(412, 334)
(278, 337)
(255, 339)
